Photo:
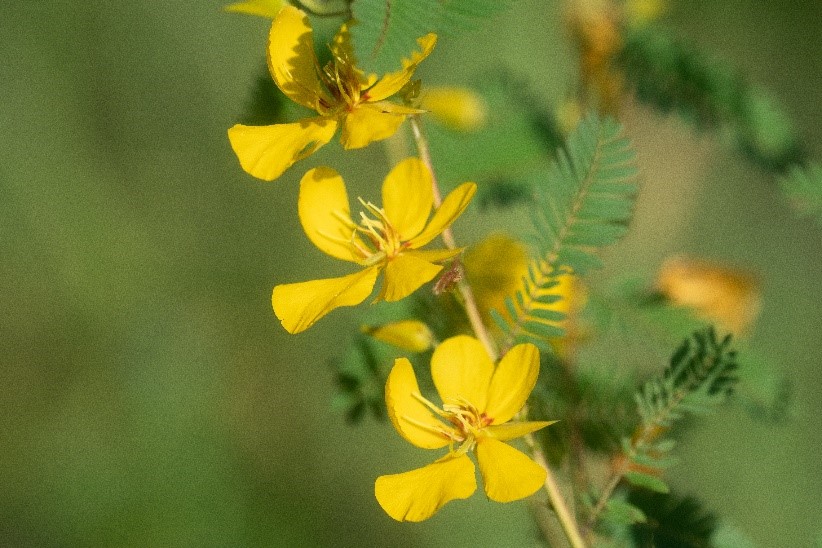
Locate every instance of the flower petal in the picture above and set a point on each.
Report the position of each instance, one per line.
(411, 335)
(513, 430)
(267, 151)
(412, 419)
(418, 494)
(324, 213)
(462, 370)
(508, 474)
(392, 82)
(300, 305)
(452, 207)
(263, 8)
(407, 197)
(404, 274)
(292, 60)
(367, 123)
(512, 382)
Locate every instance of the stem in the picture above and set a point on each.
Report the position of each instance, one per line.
(470, 303)
(567, 521)
(554, 495)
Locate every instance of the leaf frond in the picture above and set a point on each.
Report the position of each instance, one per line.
(584, 204)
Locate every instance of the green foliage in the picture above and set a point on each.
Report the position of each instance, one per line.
(676, 77)
(803, 186)
(587, 200)
(360, 379)
(620, 512)
(583, 205)
(595, 403)
(647, 481)
(386, 31)
(702, 373)
(672, 521)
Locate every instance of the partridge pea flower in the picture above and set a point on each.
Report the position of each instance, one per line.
(340, 93)
(479, 401)
(386, 239)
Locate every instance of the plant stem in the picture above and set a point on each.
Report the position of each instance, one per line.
(566, 519)
(470, 303)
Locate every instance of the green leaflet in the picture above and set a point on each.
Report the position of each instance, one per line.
(386, 31)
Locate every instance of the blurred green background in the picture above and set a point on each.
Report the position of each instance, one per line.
(148, 396)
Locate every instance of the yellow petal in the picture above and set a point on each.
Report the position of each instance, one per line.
(263, 8)
(458, 108)
(324, 213)
(513, 430)
(404, 274)
(267, 151)
(513, 380)
(367, 123)
(407, 197)
(411, 335)
(412, 419)
(292, 60)
(462, 370)
(418, 494)
(299, 305)
(452, 207)
(392, 82)
(508, 474)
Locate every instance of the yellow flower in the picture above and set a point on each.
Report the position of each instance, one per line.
(411, 335)
(341, 94)
(458, 108)
(263, 8)
(479, 401)
(729, 298)
(386, 240)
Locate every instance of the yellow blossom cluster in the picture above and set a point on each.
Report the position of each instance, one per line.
(479, 399)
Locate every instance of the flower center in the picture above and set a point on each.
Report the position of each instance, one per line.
(466, 420)
(342, 80)
(374, 239)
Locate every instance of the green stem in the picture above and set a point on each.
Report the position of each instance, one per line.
(566, 519)
(470, 302)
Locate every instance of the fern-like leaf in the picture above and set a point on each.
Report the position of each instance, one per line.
(702, 373)
(386, 31)
(583, 205)
(588, 199)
